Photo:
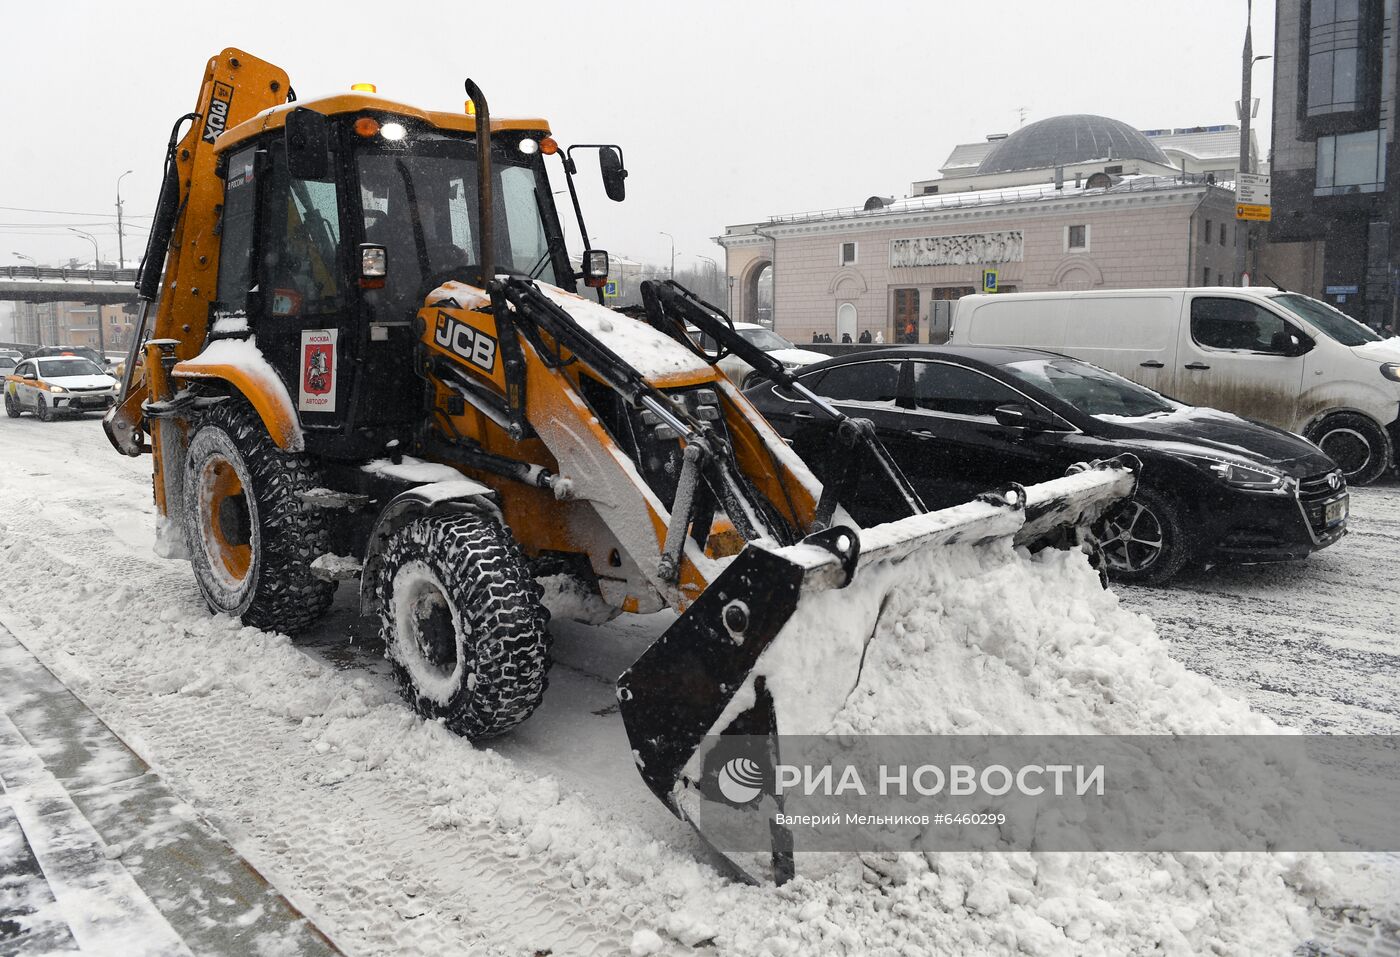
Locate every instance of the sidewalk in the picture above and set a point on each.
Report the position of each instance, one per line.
(98, 855)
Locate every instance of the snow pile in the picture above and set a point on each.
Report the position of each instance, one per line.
(968, 641)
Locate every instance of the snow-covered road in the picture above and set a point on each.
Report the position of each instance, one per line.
(1314, 644)
(397, 837)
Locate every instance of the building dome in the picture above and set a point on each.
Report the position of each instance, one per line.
(1067, 140)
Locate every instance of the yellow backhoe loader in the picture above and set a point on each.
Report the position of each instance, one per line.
(362, 356)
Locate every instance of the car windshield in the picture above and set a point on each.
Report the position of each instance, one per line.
(765, 339)
(1327, 319)
(1089, 389)
(7, 363)
(68, 365)
(420, 202)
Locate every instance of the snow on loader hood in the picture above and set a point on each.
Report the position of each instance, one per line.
(648, 350)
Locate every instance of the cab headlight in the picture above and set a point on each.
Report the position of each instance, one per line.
(57, 388)
(1391, 370)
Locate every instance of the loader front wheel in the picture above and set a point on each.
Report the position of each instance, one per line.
(463, 623)
(252, 538)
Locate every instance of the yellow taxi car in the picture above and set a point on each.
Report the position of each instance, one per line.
(53, 385)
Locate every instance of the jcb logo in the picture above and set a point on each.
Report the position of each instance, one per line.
(471, 344)
(216, 120)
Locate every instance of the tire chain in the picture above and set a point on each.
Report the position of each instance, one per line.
(288, 597)
(492, 585)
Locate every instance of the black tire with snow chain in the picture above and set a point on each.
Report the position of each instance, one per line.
(251, 537)
(462, 623)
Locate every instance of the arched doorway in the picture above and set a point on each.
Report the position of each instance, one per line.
(845, 322)
(756, 297)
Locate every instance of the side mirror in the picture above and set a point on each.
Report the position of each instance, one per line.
(614, 176)
(29, 377)
(1299, 345)
(308, 143)
(1018, 415)
(595, 268)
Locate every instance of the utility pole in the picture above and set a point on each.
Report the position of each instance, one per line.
(121, 251)
(673, 252)
(1244, 228)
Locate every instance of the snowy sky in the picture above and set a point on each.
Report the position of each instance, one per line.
(728, 111)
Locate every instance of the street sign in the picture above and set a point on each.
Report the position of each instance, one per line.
(1253, 197)
(610, 289)
(1343, 290)
(989, 280)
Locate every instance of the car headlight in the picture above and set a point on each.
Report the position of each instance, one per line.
(57, 388)
(789, 366)
(1391, 370)
(1254, 477)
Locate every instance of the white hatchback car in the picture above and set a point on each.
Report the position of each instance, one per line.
(49, 385)
(741, 373)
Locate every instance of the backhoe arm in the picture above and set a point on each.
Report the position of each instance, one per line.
(178, 278)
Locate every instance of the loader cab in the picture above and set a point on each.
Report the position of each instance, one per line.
(308, 201)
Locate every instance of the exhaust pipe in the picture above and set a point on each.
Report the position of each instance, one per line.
(485, 201)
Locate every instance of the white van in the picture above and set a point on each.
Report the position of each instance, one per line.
(1265, 354)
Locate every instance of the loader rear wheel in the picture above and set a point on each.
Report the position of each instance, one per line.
(463, 624)
(1144, 542)
(252, 539)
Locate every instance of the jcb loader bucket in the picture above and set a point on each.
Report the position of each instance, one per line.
(695, 680)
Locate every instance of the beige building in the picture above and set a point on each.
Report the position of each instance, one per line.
(75, 324)
(1074, 202)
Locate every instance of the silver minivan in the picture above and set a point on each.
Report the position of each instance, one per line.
(1264, 354)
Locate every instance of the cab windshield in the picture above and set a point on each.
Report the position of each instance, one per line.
(1327, 320)
(419, 200)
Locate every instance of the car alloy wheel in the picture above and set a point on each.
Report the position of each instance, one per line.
(1133, 540)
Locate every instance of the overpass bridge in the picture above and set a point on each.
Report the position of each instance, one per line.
(50, 284)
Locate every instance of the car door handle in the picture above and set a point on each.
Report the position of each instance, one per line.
(803, 415)
(1151, 364)
(923, 434)
(1196, 365)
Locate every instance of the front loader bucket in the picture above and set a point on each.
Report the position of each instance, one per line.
(706, 674)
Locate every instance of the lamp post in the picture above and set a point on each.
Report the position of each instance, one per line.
(673, 252)
(97, 308)
(714, 271)
(32, 260)
(1246, 108)
(121, 251)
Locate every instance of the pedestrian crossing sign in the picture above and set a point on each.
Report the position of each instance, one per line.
(610, 289)
(989, 280)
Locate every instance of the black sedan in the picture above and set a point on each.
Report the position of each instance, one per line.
(1214, 487)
